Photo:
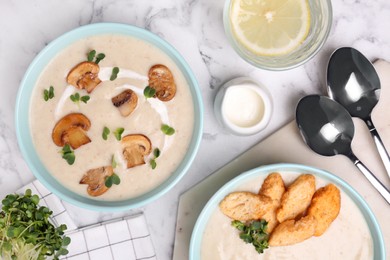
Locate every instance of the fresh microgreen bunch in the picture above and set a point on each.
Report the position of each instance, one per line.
(26, 232)
(166, 129)
(118, 133)
(99, 57)
(113, 179)
(48, 94)
(68, 154)
(254, 233)
(114, 73)
(106, 132)
(156, 154)
(149, 92)
(76, 98)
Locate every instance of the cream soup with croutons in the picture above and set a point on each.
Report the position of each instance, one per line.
(111, 117)
(348, 236)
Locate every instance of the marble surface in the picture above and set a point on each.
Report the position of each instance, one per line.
(195, 28)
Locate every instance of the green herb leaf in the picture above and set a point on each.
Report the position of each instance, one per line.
(85, 99)
(149, 92)
(113, 162)
(153, 163)
(48, 94)
(156, 153)
(105, 133)
(166, 129)
(114, 73)
(91, 55)
(68, 154)
(113, 179)
(118, 133)
(254, 233)
(99, 57)
(108, 182)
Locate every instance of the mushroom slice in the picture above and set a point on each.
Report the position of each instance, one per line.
(75, 137)
(126, 102)
(161, 79)
(136, 146)
(71, 129)
(96, 178)
(84, 76)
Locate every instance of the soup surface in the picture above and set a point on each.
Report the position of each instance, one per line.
(134, 58)
(348, 237)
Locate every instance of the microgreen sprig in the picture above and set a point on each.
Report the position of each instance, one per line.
(114, 73)
(118, 133)
(254, 233)
(105, 133)
(76, 98)
(91, 55)
(68, 154)
(166, 129)
(149, 92)
(99, 57)
(113, 179)
(156, 153)
(26, 232)
(48, 94)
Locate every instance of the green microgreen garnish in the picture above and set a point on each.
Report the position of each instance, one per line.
(113, 179)
(91, 55)
(68, 154)
(26, 231)
(99, 57)
(105, 133)
(156, 153)
(114, 73)
(166, 129)
(153, 163)
(149, 92)
(113, 162)
(76, 98)
(118, 133)
(254, 233)
(48, 94)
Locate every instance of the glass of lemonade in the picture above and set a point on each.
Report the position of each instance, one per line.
(277, 34)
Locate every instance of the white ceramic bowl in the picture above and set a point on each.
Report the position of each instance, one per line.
(212, 205)
(23, 130)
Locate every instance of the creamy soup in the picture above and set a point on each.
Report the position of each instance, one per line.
(134, 58)
(348, 237)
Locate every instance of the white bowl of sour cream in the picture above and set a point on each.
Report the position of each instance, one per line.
(243, 106)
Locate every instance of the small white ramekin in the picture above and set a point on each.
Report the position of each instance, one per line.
(259, 89)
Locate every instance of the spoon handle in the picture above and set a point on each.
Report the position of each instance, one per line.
(381, 149)
(371, 178)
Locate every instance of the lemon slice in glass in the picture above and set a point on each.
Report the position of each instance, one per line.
(270, 27)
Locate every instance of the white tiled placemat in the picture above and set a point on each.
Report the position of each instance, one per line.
(121, 239)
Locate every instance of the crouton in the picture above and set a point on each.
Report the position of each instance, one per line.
(245, 206)
(291, 232)
(325, 207)
(297, 198)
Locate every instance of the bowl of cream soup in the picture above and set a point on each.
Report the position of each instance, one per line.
(353, 234)
(109, 116)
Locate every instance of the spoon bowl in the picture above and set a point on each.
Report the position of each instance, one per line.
(354, 83)
(328, 129)
(325, 125)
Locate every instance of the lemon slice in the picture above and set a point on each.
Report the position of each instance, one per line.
(270, 27)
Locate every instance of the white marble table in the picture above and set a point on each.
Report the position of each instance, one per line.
(195, 28)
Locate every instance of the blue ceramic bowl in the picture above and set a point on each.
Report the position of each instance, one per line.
(212, 205)
(23, 104)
